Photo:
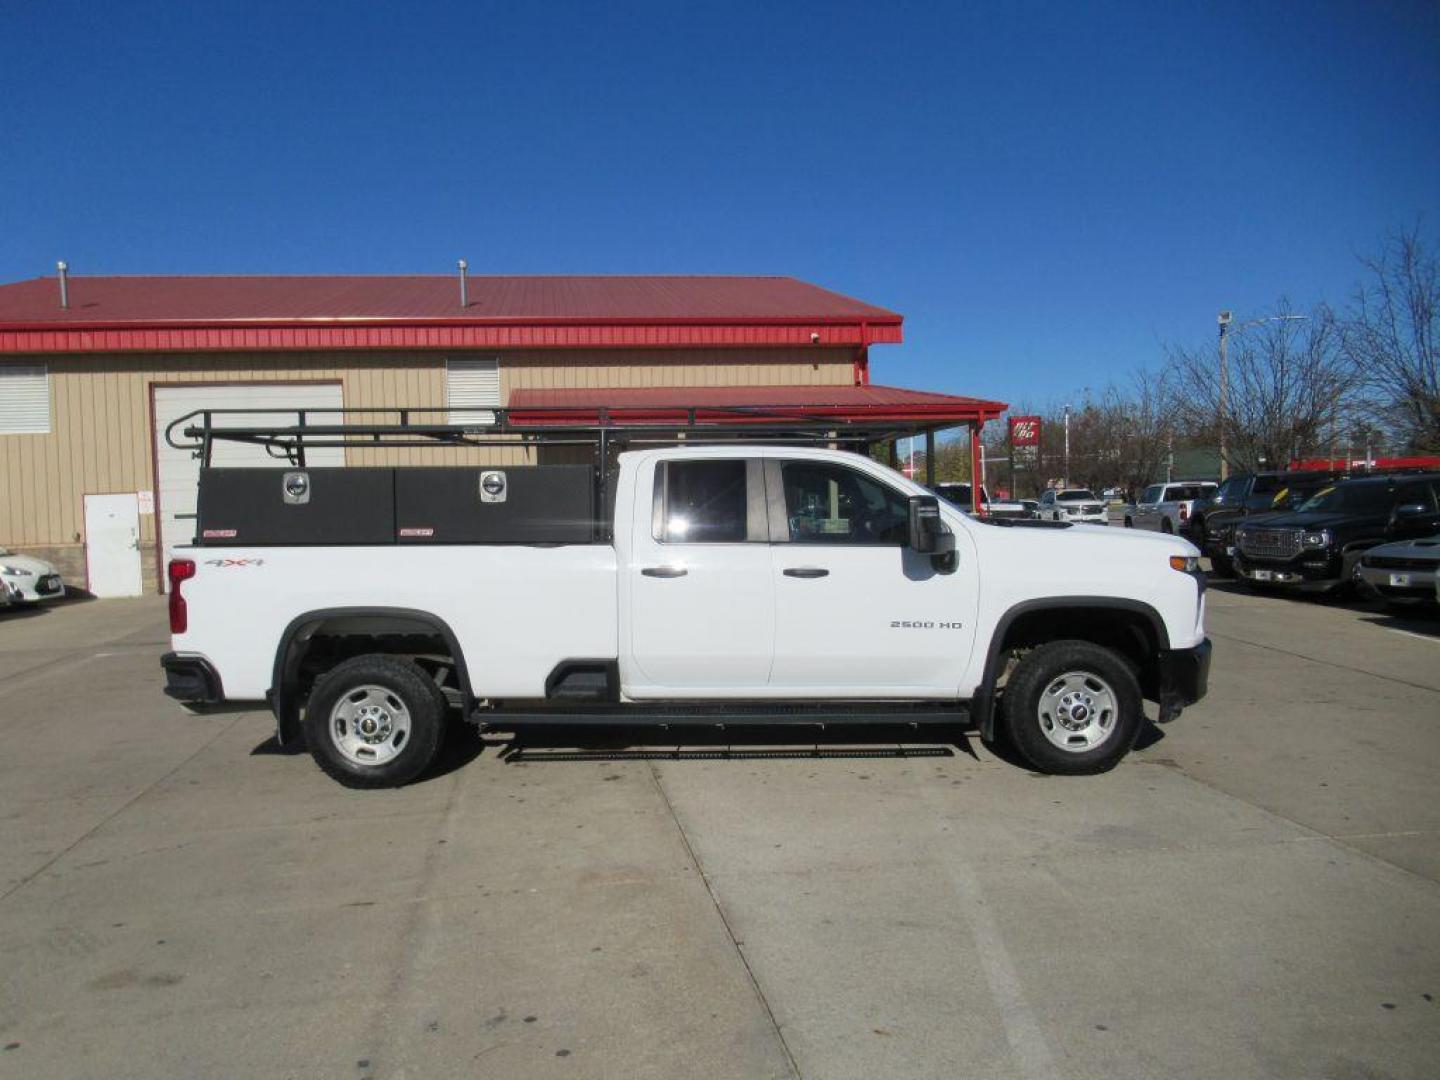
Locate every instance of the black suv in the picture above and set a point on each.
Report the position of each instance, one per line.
(1213, 520)
(1317, 548)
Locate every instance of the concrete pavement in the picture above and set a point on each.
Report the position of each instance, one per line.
(1254, 893)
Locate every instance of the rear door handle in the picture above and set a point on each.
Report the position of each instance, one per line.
(805, 571)
(664, 571)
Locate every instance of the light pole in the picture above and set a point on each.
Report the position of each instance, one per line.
(1065, 480)
(1224, 319)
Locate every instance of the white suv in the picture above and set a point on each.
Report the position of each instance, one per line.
(1073, 504)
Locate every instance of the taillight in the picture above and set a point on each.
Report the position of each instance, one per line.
(1184, 514)
(179, 570)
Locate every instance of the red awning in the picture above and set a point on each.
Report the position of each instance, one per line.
(739, 405)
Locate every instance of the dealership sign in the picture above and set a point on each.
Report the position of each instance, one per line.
(1024, 431)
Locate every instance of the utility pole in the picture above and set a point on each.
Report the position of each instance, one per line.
(1224, 320)
(1011, 436)
(1065, 480)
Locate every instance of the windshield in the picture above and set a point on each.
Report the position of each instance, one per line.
(1077, 493)
(1356, 498)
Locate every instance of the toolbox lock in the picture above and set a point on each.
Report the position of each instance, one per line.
(492, 487)
(295, 488)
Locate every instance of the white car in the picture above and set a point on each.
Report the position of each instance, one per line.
(1073, 504)
(29, 580)
(1167, 508)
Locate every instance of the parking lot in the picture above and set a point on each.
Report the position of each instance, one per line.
(1254, 892)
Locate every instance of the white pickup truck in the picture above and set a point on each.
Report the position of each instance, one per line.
(733, 585)
(1168, 507)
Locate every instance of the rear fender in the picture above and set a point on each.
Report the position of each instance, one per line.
(284, 695)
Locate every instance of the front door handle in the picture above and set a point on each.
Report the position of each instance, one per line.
(805, 571)
(664, 571)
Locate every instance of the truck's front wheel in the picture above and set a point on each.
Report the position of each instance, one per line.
(375, 721)
(1073, 707)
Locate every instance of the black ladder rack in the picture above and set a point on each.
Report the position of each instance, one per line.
(295, 431)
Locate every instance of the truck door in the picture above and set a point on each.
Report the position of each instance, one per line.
(857, 612)
(699, 603)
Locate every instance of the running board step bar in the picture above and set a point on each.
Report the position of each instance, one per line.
(721, 716)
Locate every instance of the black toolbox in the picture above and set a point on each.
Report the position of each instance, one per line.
(252, 507)
(527, 504)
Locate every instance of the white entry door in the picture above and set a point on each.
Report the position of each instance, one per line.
(112, 544)
(177, 471)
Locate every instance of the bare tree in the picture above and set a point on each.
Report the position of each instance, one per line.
(1120, 438)
(1291, 388)
(1390, 336)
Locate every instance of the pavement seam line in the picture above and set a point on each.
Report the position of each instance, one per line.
(1023, 1031)
(724, 921)
(1338, 839)
(415, 944)
(44, 666)
(34, 874)
(1325, 663)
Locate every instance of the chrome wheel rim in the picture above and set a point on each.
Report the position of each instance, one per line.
(1077, 711)
(369, 725)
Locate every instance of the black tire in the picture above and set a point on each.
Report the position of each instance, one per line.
(1129, 522)
(422, 700)
(1221, 566)
(1166, 527)
(1045, 665)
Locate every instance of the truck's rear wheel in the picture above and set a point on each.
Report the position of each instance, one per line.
(1073, 707)
(375, 721)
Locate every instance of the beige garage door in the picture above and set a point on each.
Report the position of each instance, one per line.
(177, 471)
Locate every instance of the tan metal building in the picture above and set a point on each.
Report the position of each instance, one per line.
(92, 369)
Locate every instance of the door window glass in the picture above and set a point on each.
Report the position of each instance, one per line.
(832, 504)
(700, 502)
(1415, 494)
(1152, 494)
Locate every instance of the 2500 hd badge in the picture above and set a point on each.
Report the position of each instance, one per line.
(907, 624)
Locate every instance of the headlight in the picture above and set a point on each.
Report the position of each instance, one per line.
(1186, 564)
(15, 571)
(1317, 539)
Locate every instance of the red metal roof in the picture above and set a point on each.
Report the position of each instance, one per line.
(843, 404)
(250, 313)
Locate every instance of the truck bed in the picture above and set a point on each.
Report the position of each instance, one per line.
(514, 606)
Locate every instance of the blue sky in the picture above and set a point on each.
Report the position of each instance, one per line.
(1047, 192)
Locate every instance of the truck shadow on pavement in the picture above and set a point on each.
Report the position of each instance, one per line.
(1421, 624)
(1413, 617)
(460, 747)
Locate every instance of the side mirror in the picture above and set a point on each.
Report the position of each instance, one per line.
(928, 534)
(1407, 512)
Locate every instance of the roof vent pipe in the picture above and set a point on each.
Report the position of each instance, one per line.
(464, 284)
(64, 270)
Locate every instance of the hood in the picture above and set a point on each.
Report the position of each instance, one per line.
(1312, 520)
(1427, 548)
(38, 567)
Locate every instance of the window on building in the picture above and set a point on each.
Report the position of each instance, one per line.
(701, 502)
(24, 399)
(833, 504)
(472, 389)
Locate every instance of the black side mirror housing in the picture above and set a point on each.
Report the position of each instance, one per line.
(928, 534)
(1406, 512)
